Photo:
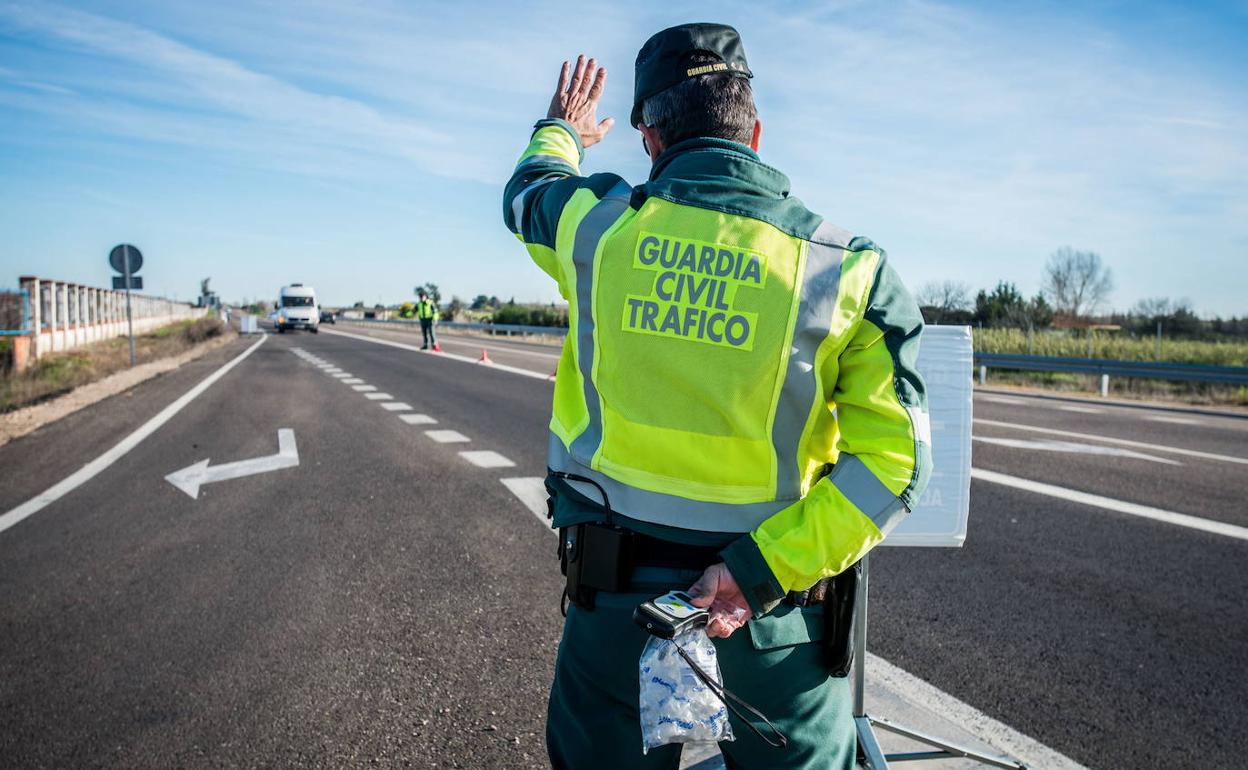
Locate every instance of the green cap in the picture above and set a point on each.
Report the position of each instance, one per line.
(664, 61)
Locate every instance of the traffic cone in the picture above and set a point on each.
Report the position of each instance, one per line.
(437, 348)
(553, 374)
(485, 357)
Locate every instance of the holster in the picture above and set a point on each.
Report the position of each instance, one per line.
(594, 557)
(839, 611)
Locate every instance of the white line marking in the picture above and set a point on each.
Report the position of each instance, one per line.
(342, 375)
(1003, 400)
(452, 356)
(352, 381)
(1110, 504)
(1174, 420)
(332, 370)
(192, 477)
(93, 468)
(1051, 445)
(418, 419)
(1082, 409)
(487, 459)
(396, 406)
(476, 343)
(363, 388)
(377, 396)
(1119, 441)
(532, 492)
(447, 436)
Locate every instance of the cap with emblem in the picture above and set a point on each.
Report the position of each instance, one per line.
(664, 61)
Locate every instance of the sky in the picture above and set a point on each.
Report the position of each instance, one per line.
(361, 148)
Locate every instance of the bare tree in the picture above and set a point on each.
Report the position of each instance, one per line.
(944, 295)
(1077, 282)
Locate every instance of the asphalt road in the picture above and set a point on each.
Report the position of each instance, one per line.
(386, 601)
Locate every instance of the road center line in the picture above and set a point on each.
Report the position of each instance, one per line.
(93, 468)
(1110, 504)
(1108, 440)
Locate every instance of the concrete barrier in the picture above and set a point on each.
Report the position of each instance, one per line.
(66, 315)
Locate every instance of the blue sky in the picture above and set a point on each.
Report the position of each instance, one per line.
(362, 148)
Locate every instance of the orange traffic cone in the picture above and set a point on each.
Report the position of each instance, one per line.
(485, 357)
(553, 374)
(437, 348)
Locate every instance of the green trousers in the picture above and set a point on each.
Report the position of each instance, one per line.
(775, 664)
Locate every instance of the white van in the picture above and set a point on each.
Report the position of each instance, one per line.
(297, 308)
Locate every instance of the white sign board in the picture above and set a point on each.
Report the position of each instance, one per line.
(945, 361)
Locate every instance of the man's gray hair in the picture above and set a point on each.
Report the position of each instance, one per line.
(716, 105)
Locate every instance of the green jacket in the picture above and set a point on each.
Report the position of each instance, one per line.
(735, 364)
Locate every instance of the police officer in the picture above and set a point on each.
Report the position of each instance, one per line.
(427, 312)
(737, 406)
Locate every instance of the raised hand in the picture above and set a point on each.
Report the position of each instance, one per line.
(576, 99)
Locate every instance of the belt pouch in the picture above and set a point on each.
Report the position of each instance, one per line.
(595, 558)
(840, 607)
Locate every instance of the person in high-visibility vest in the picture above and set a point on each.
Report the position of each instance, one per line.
(427, 312)
(737, 405)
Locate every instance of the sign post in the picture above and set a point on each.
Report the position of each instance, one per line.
(127, 260)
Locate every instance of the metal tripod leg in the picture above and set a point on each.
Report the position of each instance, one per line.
(870, 755)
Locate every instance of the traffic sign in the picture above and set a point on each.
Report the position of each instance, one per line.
(117, 258)
(119, 282)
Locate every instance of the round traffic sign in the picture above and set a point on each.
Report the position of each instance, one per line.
(117, 258)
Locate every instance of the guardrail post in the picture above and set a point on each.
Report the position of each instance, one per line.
(1104, 386)
(983, 374)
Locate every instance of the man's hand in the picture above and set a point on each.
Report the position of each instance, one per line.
(718, 590)
(576, 100)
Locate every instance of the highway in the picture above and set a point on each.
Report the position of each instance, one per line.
(392, 599)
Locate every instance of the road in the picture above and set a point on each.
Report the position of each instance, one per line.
(389, 600)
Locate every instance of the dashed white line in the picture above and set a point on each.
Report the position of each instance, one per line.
(1110, 504)
(396, 406)
(352, 381)
(363, 388)
(447, 436)
(1082, 409)
(1003, 400)
(342, 375)
(1173, 420)
(1119, 441)
(487, 459)
(418, 419)
(378, 396)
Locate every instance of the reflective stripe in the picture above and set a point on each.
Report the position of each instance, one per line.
(820, 278)
(868, 494)
(544, 159)
(659, 508)
(517, 203)
(588, 235)
(922, 422)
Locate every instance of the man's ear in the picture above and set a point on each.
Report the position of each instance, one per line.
(651, 141)
(757, 136)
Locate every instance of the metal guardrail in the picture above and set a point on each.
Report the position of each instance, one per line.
(1152, 370)
(507, 330)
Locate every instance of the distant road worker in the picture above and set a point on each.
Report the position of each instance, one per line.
(737, 405)
(427, 312)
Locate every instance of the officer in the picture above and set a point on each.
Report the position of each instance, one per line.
(736, 407)
(427, 312)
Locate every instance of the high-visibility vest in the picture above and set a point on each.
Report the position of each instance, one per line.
(734, 363)
(426, 309)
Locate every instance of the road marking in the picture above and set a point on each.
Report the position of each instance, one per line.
(1174, 420)
(1119, 441)
(192, 477)
(342, 375)
(1049, 445)
(452, 356)
(1110, 504)
(1082, 409)
(352, 381)
(1003, 400)
(532, 492)
(479, 342)
(447, 436)
(332, 370)
(378, 396)
(396, 406)
(418, 419)
(487, 459)
(363, 388)
(93, 468)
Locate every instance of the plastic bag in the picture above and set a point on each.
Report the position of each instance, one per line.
(677, 706)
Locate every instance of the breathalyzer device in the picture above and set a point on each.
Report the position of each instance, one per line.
(667, 615)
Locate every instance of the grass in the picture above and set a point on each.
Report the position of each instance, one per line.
(1113, 345)
(59, 373)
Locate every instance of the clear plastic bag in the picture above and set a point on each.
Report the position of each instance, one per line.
(676, 705)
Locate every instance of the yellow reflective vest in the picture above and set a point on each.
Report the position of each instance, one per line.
(734, 362)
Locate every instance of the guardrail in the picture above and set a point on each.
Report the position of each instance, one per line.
(507, 330)
(1152, 370)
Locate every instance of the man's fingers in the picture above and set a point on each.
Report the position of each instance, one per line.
(595, 90)
(702, 592)
(577, 75)
(563, 79)
(604, 126)
(589, 76)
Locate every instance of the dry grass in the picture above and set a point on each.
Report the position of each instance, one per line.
(60, 373)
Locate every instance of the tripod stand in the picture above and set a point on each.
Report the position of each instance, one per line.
(870, 755)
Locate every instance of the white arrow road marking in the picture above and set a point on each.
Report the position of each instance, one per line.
(1050, 445)
(192, 477)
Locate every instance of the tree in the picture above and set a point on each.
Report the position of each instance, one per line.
(480, 302)
(359, 303)
(1006, 306)
(454, 309)
(945, 302)
(1077, 282)
(432, 290)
